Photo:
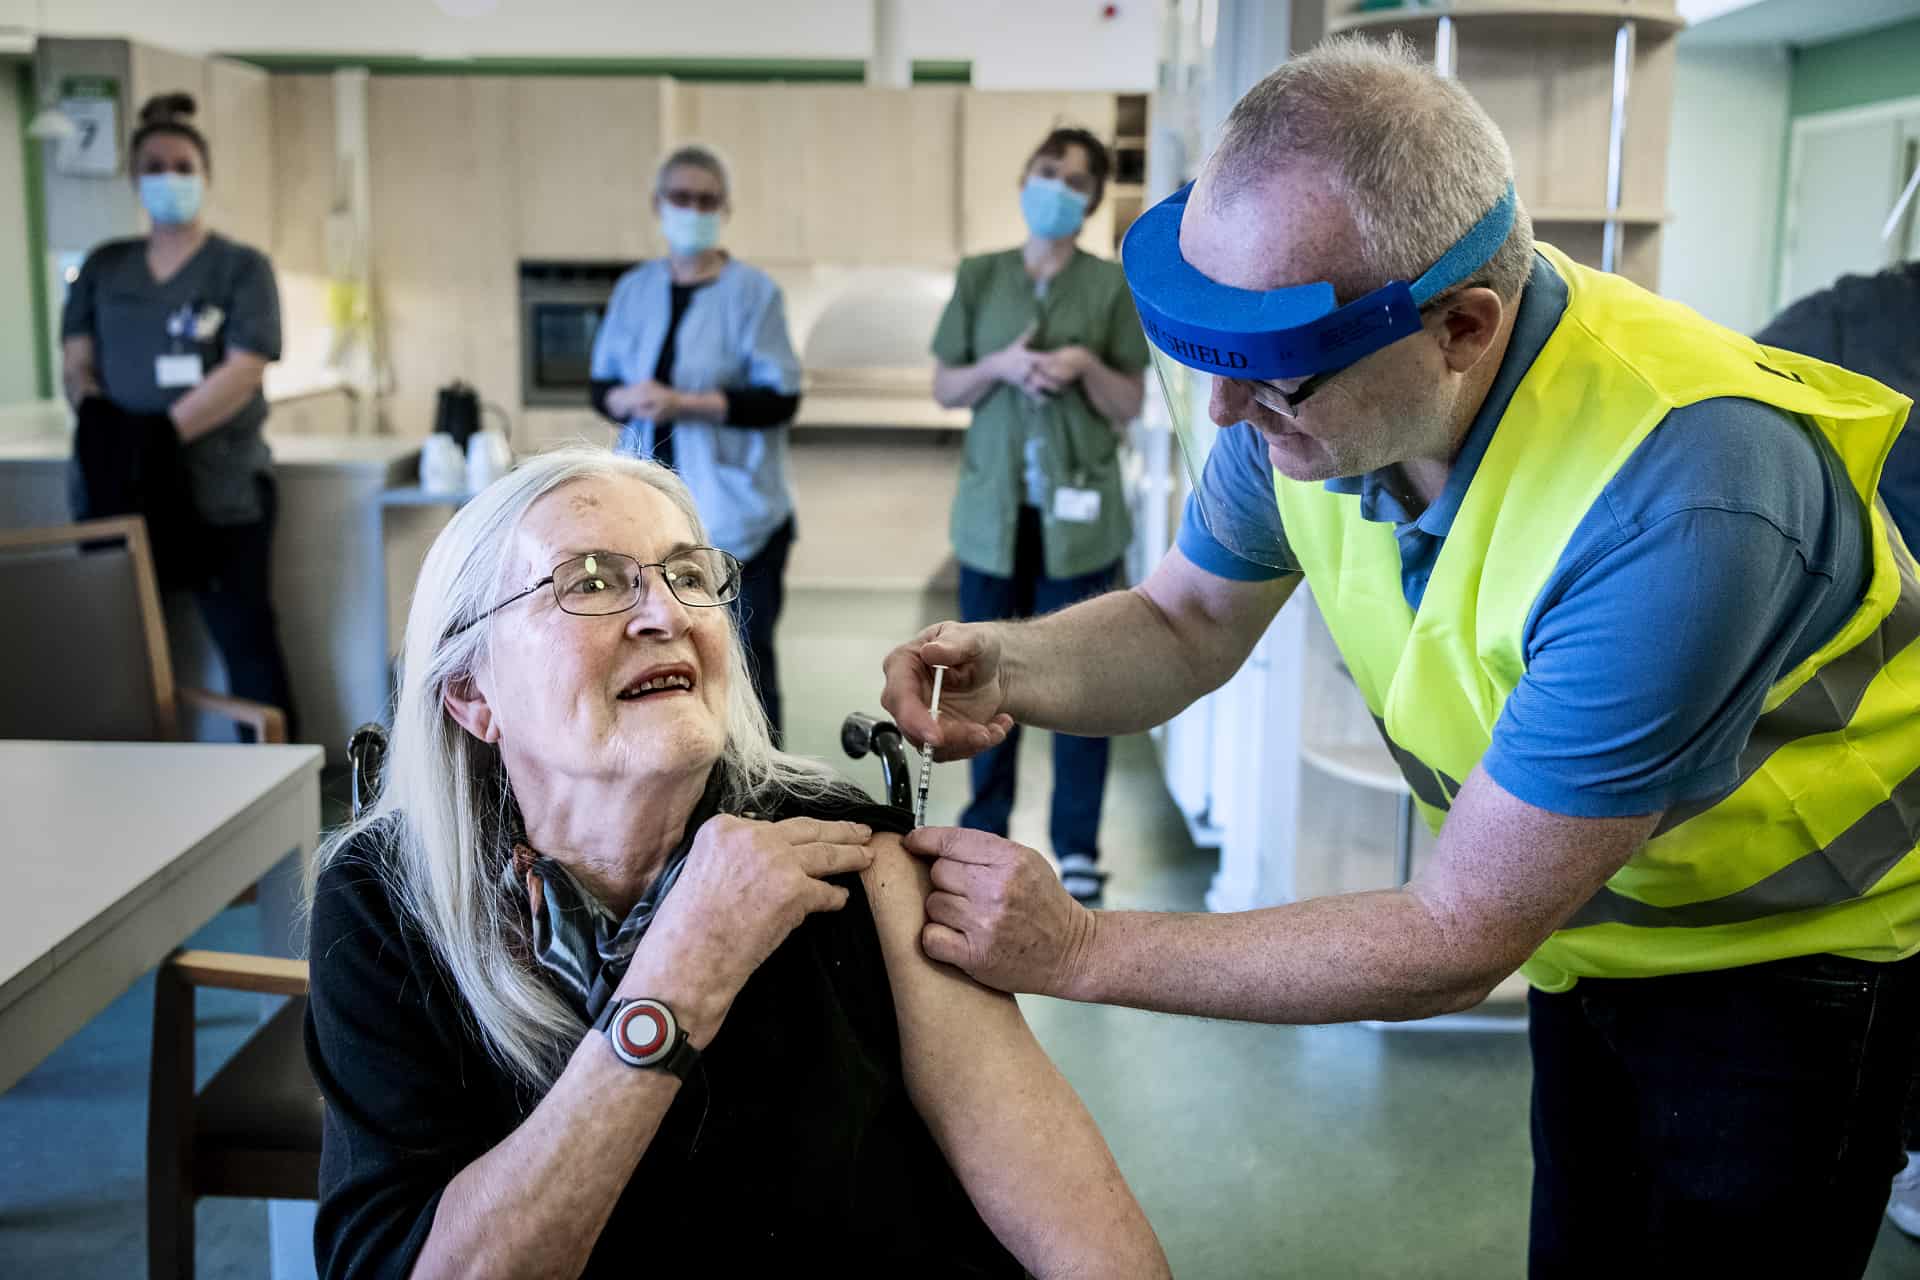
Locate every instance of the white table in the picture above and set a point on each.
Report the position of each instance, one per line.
(112, 854)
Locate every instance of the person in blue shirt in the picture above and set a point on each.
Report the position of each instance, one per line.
(1871, 324)
(694, 363)
(1691, 1108)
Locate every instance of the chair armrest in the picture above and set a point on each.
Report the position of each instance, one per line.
(232, 971)
(269, 724)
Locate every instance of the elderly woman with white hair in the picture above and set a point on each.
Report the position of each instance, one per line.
(606, 983)
(694, 364)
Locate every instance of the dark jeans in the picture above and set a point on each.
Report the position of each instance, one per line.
(1745, 1122)
(238, 609)
(763, 594)
(1079, 764)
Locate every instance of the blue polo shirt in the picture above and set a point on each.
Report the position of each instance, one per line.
(1728, 548)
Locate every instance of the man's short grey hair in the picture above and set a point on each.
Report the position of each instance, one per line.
(698, 156)
(1421, 161)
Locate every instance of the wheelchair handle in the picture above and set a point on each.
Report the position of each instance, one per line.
(862, 734)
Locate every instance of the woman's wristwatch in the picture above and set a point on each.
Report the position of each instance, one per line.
(644, 1033)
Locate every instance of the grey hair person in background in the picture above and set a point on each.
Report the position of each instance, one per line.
(694, 364)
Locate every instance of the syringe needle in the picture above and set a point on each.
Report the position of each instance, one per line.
(926, 754)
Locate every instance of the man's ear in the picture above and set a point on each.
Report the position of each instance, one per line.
(467, 703)
(1466, 326)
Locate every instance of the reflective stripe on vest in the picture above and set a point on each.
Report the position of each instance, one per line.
(1850, 864)
(1429, 786)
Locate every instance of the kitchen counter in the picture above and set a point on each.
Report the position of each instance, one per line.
(893, 398)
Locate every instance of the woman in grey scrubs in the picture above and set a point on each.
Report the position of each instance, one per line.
(165, 339)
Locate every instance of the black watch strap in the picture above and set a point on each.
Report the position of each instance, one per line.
(645, 1034)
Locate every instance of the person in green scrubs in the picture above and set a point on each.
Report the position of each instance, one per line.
(1042, 343)
(171, 334)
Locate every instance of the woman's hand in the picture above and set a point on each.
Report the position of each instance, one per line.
(973, 695)
(1014, 363)
(654, 401)
(746, 886)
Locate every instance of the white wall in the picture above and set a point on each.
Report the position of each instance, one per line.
(16, 306)
(1013, 44)
(1725, 168)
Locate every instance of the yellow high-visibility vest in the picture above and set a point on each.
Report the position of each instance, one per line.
(1814, 849)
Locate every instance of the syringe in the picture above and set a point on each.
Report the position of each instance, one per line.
(926, 754)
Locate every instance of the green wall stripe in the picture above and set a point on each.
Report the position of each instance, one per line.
(1876, 66)
(35, 192)
(748, 70)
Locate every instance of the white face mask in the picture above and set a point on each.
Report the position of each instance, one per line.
(688, 231)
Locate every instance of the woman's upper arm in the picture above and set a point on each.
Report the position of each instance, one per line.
(253, 324)
(771, 361)
(1024, 1147)
(952, 343)
(926, 995)
(614, 330)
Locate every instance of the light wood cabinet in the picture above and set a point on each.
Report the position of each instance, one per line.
(444, 239)
(238, 113)
(879, 185)
(304, 177)
(1545, 70)
(832, 173)
(998, 132)
(750, 126)
(584, 151)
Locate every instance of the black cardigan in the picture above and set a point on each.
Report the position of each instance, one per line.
(793, 1145)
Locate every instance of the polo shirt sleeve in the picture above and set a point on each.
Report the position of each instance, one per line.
(1238, 485)
(1126, 344)
(253, 313)
(1703, 574)
(953, 336)
(78, 315)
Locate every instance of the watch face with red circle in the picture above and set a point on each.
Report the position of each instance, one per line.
(642, 1032)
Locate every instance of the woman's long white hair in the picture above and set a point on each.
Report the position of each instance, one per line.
(445, 818)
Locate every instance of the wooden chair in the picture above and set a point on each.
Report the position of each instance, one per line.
(89, 627)
(254, 1131)
(94, 638)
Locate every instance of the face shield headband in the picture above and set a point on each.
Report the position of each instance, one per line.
(1280, 334)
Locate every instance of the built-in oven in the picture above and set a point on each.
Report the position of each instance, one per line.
(561, 306)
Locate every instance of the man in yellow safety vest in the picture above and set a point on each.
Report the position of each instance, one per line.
(1613, 582)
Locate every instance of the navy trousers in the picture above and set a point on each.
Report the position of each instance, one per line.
(1079, 764)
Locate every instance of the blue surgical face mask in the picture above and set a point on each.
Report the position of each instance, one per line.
(172, 199)
(688, 231)
(1053, 209)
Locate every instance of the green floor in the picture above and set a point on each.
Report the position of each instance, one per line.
(1257, 1151)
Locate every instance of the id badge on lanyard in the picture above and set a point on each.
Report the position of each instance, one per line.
(1071, 504)
(180, 367)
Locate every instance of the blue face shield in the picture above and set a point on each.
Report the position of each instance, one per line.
(1195, 324)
